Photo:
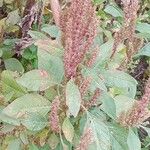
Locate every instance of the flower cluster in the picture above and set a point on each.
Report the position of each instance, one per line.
(79, 25)
(86, 140)
(54, 118)
(127, 32)
(139, 112)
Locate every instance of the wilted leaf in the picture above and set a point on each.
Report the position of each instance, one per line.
(133, 141)
(73, 98)
(13, 64)
(68, 129)
(36, 80)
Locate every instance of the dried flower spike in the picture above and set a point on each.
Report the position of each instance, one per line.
(54, 118)
(79, 26)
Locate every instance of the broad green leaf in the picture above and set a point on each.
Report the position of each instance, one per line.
(101, 135)
(145, 51)
(97, 82)
(120, 79)
(13, 64)
(118, 137)
(33, 147)
(105, 53)
(52, 64)
(73, 98)
(114, 11)
(9, 85)
(14, 144)
(108, 105)
(34, 121)
(143, 27)
(123, 104)
(133, 141)
(8, 119)
(68, 130)
(37, 35)
(52, 30)
(53, 141)
(36, 80)
(27, 104)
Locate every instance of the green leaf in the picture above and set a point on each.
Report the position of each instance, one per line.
(53, 141)
(13, 17)
(143, 27)
(73, 98)
(34, 121)
(101, 135)
(121, 79)
(105, 53)
(68, 130)
(114, 11)
(33, 147)
(108, 105)
(52, 30)
(36, 80)
(14, 145)
(52, 64)
(119, 137)
(97, 82)
(37, 35)
(99, 1)
(1, 52)
(9, 85)
(145, 51)
(13, 64)
(123, 104)
(25, 105)
(133, 141)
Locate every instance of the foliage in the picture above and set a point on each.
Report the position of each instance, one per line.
(67, 84)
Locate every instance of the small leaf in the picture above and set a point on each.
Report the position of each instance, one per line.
(108, 105)
(145, 51)
(73, 98)
(36, 80)
(13, 64)
(37, 35)
(68, 130)
(114, 11)
(9, 85)
(133, 141)
(52, 30)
